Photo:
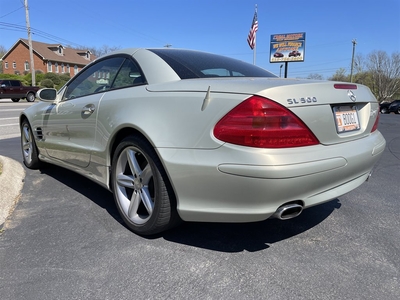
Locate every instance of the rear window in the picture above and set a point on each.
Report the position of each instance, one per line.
(195, 64)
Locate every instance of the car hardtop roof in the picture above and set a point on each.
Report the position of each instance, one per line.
(131, 51)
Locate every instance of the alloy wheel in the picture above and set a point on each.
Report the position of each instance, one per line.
(135, 185)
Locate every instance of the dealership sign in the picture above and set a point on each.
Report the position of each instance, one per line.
(288, 47)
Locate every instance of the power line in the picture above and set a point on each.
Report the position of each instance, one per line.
(38, 32)
(11, 12)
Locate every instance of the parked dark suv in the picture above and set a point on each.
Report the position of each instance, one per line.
(388, 107)
(395, 107)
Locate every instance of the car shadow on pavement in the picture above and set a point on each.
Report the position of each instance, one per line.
(237, 237)
(84, 186)
(223, 237)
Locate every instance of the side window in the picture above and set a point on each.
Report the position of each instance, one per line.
(14, 83)
(98, 77)
(128, 75)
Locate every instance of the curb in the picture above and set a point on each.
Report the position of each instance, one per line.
(11, 182)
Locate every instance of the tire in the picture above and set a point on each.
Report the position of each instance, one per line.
(142, 192)
(384, 110)
(28, 146)
(15, 99)
(30, 97)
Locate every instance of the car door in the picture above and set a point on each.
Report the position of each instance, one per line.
(5, 89)
(17, 89)
(69, 126)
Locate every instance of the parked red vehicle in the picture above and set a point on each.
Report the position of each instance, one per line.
(15, 90)
(278, 54)
(294, 53)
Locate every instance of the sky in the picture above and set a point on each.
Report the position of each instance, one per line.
(216, 26)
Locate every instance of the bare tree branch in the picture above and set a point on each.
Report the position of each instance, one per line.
(385, 74)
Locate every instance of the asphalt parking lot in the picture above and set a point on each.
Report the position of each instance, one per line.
(65, 240)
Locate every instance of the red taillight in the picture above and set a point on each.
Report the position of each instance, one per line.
(375, 127)
(263, 123)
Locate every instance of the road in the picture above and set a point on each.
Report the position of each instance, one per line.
(65, 240)
(9, 112)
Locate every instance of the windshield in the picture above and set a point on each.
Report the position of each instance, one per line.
(195, 64)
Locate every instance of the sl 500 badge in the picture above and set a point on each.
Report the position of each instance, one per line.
(305, 100)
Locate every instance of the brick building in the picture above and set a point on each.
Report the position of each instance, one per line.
(48, 58)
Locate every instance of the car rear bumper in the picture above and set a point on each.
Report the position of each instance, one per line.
(240, 184)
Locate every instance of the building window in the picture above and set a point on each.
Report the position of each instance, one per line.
(56, 66)
(62, 68)
(68, 70)
(76, 69)
(6, 65)
(14, 65)
(49, 67)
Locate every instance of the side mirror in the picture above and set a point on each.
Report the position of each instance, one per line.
(47, 94)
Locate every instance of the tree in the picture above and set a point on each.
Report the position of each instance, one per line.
(102, 50)
(340, 75)
(315, 76)
(359, 63)
(3, 51)
(385, 74)
(97, 51)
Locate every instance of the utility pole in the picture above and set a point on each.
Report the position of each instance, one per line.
(352, 59)
(28, 27)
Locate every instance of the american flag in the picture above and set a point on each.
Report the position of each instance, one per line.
(251, 38)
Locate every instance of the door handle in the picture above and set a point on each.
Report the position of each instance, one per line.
(88, 109)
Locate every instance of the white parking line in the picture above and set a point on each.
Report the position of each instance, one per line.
(12, 124)
(1, 119)
(12, 109)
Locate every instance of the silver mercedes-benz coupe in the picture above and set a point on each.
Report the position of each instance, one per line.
(186, 135)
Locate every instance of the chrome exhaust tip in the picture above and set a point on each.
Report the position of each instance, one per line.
(288, 211)
(369, 176)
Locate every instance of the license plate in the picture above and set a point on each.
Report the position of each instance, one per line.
(346, 118)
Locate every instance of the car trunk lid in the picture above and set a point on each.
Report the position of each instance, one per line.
(335, 112)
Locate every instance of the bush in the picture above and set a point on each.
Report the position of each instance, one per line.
(47, 83)
(50, 80)
(55, 78)
(65, 77)
(39, 77)
(10, 76)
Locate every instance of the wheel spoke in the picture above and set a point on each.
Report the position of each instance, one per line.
(147, 201)
(147, 174)
(26, 134)
(125, 180)
(133, 163)
(26, 146)
(134, 205)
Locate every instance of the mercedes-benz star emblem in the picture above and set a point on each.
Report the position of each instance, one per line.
(351, 95)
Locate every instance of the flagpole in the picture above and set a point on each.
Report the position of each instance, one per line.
(255, 44)
(251, 37)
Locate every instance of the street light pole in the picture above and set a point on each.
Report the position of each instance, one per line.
(352, 59)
